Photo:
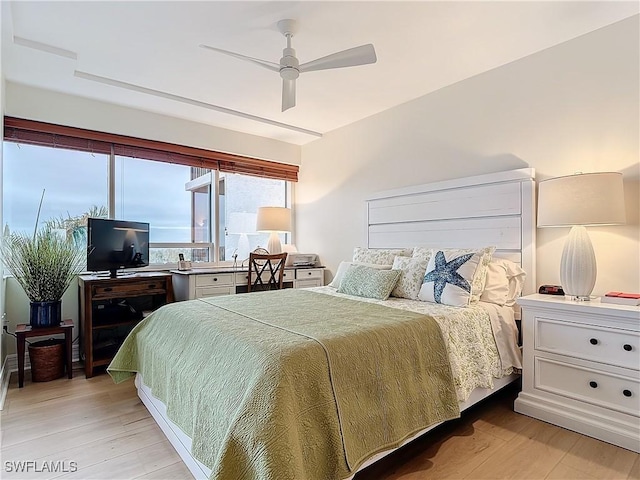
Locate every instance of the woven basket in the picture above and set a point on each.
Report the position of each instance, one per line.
(47, 360)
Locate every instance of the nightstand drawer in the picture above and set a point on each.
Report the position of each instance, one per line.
(614, 347)
(214, 279)
(606, 390)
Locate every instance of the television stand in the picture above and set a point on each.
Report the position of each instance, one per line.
(111, 307)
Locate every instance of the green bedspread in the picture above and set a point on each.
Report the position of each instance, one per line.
(291, 384)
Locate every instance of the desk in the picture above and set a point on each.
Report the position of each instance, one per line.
(25, 331)
(210, 282)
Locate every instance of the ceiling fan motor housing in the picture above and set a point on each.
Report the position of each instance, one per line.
(289, 64)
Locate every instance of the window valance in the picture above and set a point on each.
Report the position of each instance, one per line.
(60, 136)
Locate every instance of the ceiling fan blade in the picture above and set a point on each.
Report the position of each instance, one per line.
(288, 94)
(263, 63)
(352, 57)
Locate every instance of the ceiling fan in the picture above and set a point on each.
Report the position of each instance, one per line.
(290, 68)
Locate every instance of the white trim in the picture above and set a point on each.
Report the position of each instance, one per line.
(190, 101)
(43, 47)
(178, 439)
(5, 375)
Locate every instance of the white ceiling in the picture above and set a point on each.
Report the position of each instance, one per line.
(75, 47)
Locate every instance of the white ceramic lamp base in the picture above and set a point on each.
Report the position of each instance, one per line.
(578, 265)
(274, 245)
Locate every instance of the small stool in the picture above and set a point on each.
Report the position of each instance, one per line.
(25, 331)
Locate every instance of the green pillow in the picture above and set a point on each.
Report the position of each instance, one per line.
(368, 282)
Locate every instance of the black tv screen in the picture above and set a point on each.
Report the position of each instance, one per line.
(116, 244)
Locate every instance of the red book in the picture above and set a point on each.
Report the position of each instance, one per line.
(621, 298)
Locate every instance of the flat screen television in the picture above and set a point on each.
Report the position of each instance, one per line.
(114, 245)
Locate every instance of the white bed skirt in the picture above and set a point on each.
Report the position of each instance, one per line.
(182, 443)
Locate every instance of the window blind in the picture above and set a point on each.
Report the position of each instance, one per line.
(60, 136)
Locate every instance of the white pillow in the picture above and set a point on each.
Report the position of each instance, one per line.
(455, 276)
(413, 270)
(379, 256)
(504, 283)
(344, 266)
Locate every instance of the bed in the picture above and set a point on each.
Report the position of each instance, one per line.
(319, 383)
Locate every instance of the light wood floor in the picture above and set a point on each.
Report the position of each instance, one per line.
(107, 431)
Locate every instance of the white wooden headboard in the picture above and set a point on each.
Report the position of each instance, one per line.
(494, 209)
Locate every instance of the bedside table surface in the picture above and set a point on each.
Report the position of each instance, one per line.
(594, 306)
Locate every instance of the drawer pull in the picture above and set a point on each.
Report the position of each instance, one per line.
(108, 289)
(152, 285)
(594, 341)
(593, 384)
(626, 393)
(308, 273)
(215, 279)
(627, 347)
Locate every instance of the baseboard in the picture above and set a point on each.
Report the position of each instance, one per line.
(5, 375)
(619, 430)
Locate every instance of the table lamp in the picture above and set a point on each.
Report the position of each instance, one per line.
(576, 201)
(274, 220)
(243, 224)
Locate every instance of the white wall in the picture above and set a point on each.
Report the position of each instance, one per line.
(47, 106)
(573, 107)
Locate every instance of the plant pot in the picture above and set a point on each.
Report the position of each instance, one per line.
(45, 314)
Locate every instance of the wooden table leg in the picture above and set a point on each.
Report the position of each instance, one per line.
(68, 339)
(20, 343)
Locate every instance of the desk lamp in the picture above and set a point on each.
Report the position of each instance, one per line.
(576, 201)
(274, 220)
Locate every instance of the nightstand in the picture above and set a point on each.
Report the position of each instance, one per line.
(581, 367)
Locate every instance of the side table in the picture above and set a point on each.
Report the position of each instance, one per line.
(25, 331)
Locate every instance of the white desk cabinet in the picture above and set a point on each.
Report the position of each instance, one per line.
(211, 282)
(582, 367)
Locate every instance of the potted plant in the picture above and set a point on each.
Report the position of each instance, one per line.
(44, 264)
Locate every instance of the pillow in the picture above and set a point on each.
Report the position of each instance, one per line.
(412, 272)
(504, 282)
(423, 253)
(344, 266)
(379, 256)
(363, 281)
(455, 276)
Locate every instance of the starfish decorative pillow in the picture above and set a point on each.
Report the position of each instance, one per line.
(452, 276)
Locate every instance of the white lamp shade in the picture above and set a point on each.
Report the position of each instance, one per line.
(582, 199)
(273, 219)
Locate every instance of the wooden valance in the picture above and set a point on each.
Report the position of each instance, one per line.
(60, 136)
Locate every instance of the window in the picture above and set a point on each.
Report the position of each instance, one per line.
(240, 197)
(74, 185)
(155, 192)
(170, 187)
